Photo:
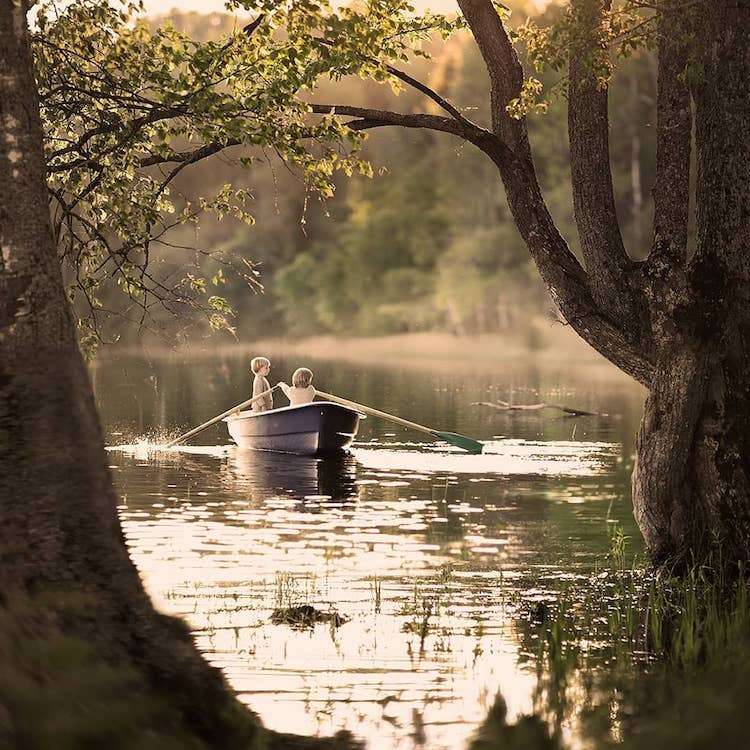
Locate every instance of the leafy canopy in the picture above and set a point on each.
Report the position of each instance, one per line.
(126, 107)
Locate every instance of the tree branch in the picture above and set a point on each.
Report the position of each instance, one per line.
(673, 136)
(423, 88)
(188, 157)
(248, 30)
(156, 115)
(607, 263)
(373, 118)
(441, 101)
(561, 272)
(365, 119)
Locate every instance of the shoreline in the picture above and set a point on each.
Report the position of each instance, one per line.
(553, 345)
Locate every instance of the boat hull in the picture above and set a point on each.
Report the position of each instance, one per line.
(316, 429)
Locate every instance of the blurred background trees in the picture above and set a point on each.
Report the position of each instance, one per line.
(426, 244)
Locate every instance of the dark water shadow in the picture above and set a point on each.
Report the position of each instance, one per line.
(265, 474)
(526, 733)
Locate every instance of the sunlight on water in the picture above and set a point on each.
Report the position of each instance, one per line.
(563, 458)
(433, 555)
(499, 457)
(422, 549)
(144, 447)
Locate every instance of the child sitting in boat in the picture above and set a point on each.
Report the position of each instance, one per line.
(301, 391)
(261, 368)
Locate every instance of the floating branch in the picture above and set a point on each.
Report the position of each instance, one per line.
(569, 411)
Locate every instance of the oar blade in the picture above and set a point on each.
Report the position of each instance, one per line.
(461, 441)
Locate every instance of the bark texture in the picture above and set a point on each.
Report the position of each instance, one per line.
(691, 487)
(678, 324)
(61, 544)
(607, 263)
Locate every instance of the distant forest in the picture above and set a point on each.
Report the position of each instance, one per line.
(428, 242)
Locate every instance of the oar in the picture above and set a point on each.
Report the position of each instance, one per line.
(460, 441)
(221, 416)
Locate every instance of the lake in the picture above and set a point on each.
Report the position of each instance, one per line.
(434, 557)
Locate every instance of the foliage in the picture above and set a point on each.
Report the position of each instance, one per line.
(157, 213)
(127, 107)
(627, 26)
(377, 271)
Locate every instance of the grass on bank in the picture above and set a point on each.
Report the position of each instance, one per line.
(639, 660)
(62, 691)
(685, 620)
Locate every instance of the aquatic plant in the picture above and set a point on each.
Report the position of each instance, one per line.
(291, 590)
(376, 586)
(305, 616)
(698, 617)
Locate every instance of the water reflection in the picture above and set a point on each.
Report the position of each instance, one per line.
(424, 560)
(503, 457)
(428, 551)
(265, 474)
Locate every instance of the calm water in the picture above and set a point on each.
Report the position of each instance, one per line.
(431, 553)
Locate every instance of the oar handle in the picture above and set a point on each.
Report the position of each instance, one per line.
(221, 416)
(375, 412)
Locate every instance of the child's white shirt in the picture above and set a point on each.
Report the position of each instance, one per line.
(298, 396)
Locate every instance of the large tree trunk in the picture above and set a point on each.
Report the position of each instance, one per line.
(60, 537)
(691, 482)
(73, 613)
(678, 324)
(691, 485)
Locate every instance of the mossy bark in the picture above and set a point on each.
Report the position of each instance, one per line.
(71, 600)
(691, 486)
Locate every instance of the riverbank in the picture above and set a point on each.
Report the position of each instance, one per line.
(544, 343)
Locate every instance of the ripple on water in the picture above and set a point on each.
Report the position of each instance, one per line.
(423, 549)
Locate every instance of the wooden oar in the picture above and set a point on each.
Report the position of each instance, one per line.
(221, 416)
(460, 441)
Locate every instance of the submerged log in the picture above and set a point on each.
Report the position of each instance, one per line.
(567, 410)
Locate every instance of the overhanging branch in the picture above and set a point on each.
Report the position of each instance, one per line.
(418, 85)
(188, 157)
(440, 100)
(567, 282)
(373, 118)
(607, 263)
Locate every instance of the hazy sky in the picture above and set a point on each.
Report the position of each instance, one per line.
(158, 7)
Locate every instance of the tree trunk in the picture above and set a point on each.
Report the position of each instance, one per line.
(635, 171)
(691, 485)
(691, 482)
(73, 613)
(679, 325)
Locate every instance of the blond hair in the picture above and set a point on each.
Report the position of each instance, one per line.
(302, 377)
(256, 363)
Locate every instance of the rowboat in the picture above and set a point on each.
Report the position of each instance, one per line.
(315, 429)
